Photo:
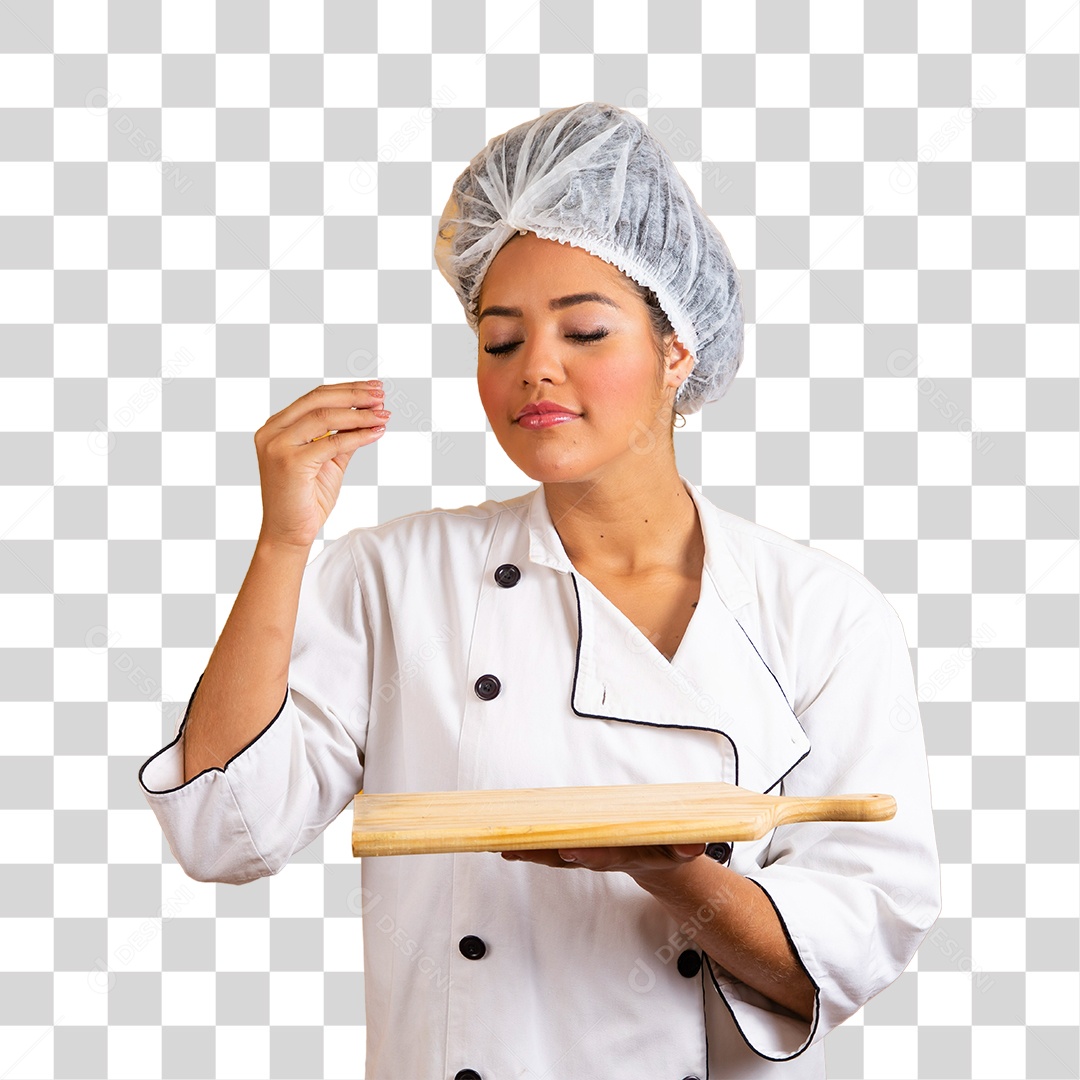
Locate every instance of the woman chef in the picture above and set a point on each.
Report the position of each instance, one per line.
(610, 627)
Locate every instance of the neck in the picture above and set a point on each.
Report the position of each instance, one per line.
(627, 525)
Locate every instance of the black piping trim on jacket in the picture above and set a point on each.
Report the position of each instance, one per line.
(783, 774)
(770, 671)
(782, 694)
(795, 952)
(211, 768)
(649, 723)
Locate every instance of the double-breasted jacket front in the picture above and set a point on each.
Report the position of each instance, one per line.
(461, 649)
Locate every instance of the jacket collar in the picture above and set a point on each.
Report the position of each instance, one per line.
(717, 680)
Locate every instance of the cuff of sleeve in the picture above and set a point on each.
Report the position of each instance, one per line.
(163, 772)
(770, 1030)
(203, 823)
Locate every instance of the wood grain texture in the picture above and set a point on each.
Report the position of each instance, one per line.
(430, 822)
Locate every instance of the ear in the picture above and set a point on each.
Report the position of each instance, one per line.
(679, 362)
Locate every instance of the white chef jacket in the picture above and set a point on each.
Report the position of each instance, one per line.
(460, 649)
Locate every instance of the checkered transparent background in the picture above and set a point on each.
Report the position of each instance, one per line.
(205, 210)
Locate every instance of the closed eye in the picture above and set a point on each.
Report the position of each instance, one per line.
(498, 350)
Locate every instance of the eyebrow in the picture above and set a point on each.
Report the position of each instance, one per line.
(555, 305)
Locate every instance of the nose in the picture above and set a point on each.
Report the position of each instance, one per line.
(539, 360)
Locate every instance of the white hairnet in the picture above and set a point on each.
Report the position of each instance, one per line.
(595, 177)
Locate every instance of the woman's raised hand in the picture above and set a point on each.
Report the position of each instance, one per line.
(301, 464)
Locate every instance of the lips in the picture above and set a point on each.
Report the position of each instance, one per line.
(545, 408)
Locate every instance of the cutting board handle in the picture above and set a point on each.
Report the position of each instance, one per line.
(873, 807)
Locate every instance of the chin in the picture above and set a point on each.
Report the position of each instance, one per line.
(554, 465)
(553, 475)
(555, 456)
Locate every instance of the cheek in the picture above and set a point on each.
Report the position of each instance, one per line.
(621, 384)
(490, 387)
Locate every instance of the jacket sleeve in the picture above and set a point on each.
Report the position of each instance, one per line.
(278, 793)
(855, 899)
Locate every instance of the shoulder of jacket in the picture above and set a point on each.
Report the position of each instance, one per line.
(810, 574)
(421, 528)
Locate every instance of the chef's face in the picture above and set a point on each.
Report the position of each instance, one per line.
(616, 382)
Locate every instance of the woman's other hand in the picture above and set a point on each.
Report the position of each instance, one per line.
(646, 860)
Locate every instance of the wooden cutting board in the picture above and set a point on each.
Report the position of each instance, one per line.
(430, 822)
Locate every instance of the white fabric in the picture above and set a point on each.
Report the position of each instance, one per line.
(793, 677)
(595, 177)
